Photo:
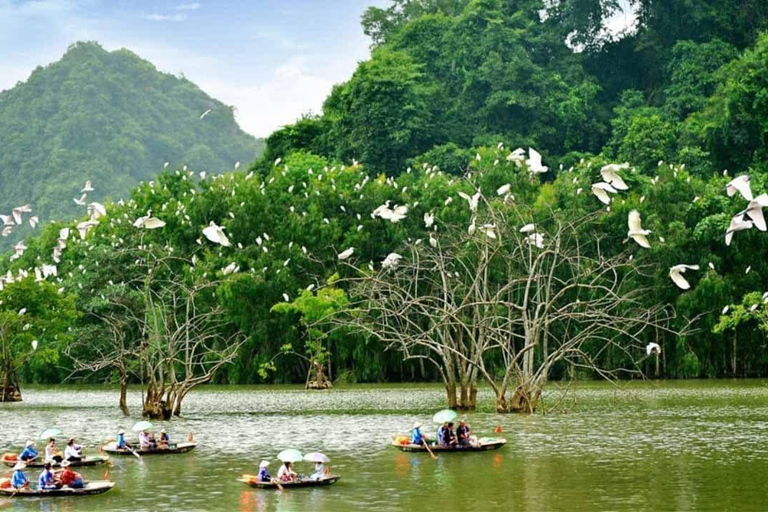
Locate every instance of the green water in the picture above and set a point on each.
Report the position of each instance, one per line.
(665, 446)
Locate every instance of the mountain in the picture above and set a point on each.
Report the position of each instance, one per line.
(111, 118)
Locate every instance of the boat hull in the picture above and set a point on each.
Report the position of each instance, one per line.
(482, 447)
(91, 488)
(112, 449)
(252, 480)
(87, 461)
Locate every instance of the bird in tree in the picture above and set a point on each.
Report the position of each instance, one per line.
(676, 274)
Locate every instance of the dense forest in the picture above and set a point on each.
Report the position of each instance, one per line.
(108, 117)
(451, 89)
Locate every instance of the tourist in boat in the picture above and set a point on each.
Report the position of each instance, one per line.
(46, 480)
(144, 442)
(165, 441)
(286, 473)
(19, 479)
(73, 452)
(416, 436)
(319, 472)
(441, 433)
(51, 455)
(29, 452)
(463, 433)
(70, 478)
(448, 439)
(122, 444)
(264, 475)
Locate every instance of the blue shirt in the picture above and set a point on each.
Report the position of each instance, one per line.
(18, 479)
(416, 436)
(28, 453)
(120, 441)
(264, 475)
(46, 480)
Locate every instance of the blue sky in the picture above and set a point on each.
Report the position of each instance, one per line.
(273, 60)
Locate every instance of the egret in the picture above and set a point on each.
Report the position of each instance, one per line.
(81, 201)
(652, 348)
(503, 190)
(737, 224)
(33, 221)
(96, 210)
(34, 344)
(601, 191)
(471, 200)
(636, 232)
(148, 222)
(16, 212)
(741, 185)
(528, 228)
(536, 239)
(391, 261)
(84, 227)
(676, 274)
(471, 229)
(754, 211)
(7, 220)
(489, 230)
(87, 188)
(429, 219)
(610, 175)
(205, 113)
(216, 234)
(232, 268)
(346, 254)
(534, 162)
(517, 156)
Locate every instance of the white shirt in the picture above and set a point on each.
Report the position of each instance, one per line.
(144, 440)
(49, 453)
(283, 473)
(71, 452)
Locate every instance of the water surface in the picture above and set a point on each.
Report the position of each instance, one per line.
(653, 446)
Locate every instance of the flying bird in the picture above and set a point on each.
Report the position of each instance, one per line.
(741, 185)
(471, 200)
(534, 162)
(676, 274)
(737, 224)
(81, 201)
(148, 222)
(205, 113)
(652, 348)
(601, 191)
(754, 211)
(216, 234)
(610, 175)
(87, 188)
(636, 232)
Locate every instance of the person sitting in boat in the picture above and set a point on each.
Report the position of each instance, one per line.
(46, 480)
(416, 436)
(319, 472)
(264, 475)
(441, 432)
(19, 479)
(122, 444)
(463, 433)
(51, 454)
(70, 478)
(286, 473)
(165, 441)
(144, 442)
(29, 452)
(73, 452)
(448, 438)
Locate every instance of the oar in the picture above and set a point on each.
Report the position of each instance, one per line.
(426, 445)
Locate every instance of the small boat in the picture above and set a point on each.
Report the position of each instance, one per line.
(253, 481)
(95, 487)
(172, 449)
(38, 463)
(483, 444)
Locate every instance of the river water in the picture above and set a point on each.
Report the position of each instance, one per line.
(650, 446)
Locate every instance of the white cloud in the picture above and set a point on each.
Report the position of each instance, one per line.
(165, 17)
(188, 7)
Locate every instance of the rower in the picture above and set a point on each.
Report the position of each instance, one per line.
(416, 436)
(70, 478)
(463, 433)
(29, 452)
(73, 452)
(121, 442)
(46, 481)
(19, 479)
(264, 475)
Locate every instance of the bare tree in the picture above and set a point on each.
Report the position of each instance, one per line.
(508, 303)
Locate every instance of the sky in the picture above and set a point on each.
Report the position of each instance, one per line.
(273, 60)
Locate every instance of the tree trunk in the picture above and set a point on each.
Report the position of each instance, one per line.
(320, 381)
(124, 396)
(733, 355)
(155, 406)
(9, 387)
(450, 392)
(525, 399)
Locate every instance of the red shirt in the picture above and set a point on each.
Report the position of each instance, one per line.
(68, 477)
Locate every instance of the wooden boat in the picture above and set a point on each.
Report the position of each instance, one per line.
(484, 444)
(39, 463)
(95, 487)
(253, 481)
(112, 448)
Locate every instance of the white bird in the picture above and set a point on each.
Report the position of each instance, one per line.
(725, 310)
(96, 210)
(471, 229)
(503, 190)
(205, 113)
(84, 227)
(148, 222)
(432, 241)
(737, 224)
(87, 188)
(7, 220)
(19, 249)
(232, 268)
(741, 185)
(754, 211)
(601, 191)
(489, 230)
(471, 200)
(16, 212)
(676, 274)
(652, 348)
(391, 261)
(216, 234)
(34, 344)
(286, 298)
(343, 255)
(610, 175)
(33, 221)
(22, 311)
(528, 228)
(536, 239)
(636, 232)
(7, 230)
(429, 219)
(534, 162)
(81, 201)
(517, 156)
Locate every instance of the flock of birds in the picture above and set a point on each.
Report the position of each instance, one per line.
(612, 184)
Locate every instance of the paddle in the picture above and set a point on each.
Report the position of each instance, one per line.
(431, 453)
